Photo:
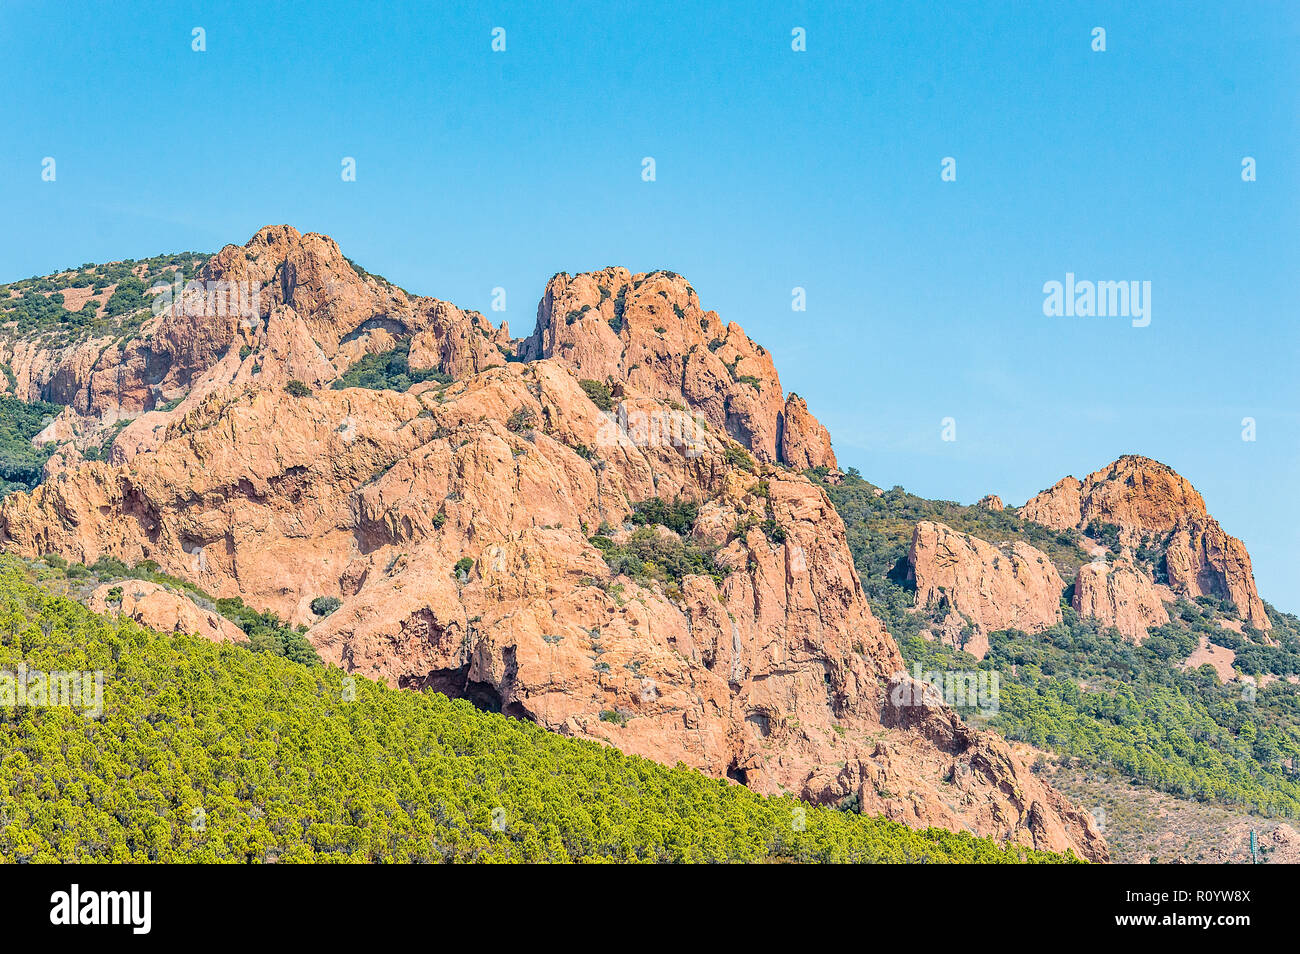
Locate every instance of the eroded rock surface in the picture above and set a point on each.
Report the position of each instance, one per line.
(1014, 586)
(454, 524)
(1119, 595)
(1156, 509)
(161, 609)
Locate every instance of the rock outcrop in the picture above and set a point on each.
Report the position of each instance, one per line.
(454, 524)
(805, 442)
(1014, 586)
(990, 502)
(1118, 595)
(1155, 508)
(161, 609)
(1133, 493)
(650, 332)
(1203, 560)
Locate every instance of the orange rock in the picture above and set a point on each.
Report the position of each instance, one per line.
(1133, 493)
(1014, 586)
(1203, 560)
(1118, 595)
(1153, 505)
(155, 606)
(650, 331)
(805, 442)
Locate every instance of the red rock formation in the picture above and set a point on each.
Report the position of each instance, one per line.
(1203, 560)
(1014, 586)
(805, 443)
(161, 609)
(650, 331)
(1134, 493)
(1153, 505)
(774, 674)
(311, 315)
(1119, 595)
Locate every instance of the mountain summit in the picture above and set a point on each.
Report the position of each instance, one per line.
(1157, 514)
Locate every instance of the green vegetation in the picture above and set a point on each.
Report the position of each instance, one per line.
(206, 753)
(324, 605)
(266, 632)
(36, 306)
(599, 393)
(21, 464)
(620, 305)
(296, 388)
(737, 456)
(520, 420)
(1085, 692)
(1094, 696)
(127, 298)
(679, 516)
(647, 555)
(388, 371)
(362, 273)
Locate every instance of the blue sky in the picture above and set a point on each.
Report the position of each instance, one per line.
(775, 169)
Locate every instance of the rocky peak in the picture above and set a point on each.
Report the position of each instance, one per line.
(650, 332)
(1158, 510)
(1133, 493)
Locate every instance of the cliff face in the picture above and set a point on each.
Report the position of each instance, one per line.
(1155, 508)
(1014, 586)
(455, 524)
(1119, 595)
(650, 332)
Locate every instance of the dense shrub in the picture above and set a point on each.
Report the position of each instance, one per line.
(21, 464)
(388, 371)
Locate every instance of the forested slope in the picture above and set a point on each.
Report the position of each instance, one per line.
(1080, 689)
(206, 752)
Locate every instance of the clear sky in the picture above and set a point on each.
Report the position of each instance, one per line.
(774, 169)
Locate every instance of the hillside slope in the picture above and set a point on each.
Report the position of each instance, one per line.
(546, 530)
(1138, 702)
(211, 753)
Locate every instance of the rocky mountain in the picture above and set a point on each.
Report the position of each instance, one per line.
(1145, 535)
(1014, 586)
(602, 527)
(1158, 513)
